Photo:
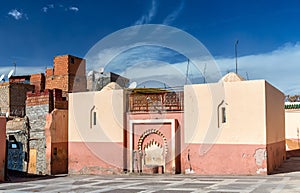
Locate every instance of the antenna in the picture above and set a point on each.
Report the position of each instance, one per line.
(187, 71)
(204, 73)
(101, 70)
(132, 85)
(15, 65)
(10, 73)
(236, 64)
(1, 77)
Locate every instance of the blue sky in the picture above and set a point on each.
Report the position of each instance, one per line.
(33, 32)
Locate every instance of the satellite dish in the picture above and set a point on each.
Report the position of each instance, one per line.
(1, 77)
(132, 85)
(101, 70)
(90, 73)
(10, 73)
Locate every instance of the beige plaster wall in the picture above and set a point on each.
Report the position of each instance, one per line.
(292, 124)
(245, 113)
(109, 107)
(292, 129)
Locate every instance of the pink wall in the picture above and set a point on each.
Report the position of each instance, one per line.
(2, 147)
(108, 159)
(225, 159)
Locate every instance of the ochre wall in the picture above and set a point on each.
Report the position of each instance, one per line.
(56, 131)
(2, 147)
(275, 125)
(96, 148)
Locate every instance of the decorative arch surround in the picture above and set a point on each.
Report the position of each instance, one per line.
(149, 132)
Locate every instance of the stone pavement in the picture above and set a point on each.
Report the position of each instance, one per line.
(162, 184)
(286, 180)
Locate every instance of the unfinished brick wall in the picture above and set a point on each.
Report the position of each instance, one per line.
(53, 98)
(17, 98)
(13, 97)
(68, 74)
(20, 79)
(39, 81)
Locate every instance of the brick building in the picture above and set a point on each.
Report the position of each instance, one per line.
(25, 79)
(13, 96)
(46, 109)
(39, 141)
(67, 74)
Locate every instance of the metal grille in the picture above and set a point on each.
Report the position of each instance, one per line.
(156, 102)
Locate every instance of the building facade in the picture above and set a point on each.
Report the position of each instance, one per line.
(233, 127)
(240, 130)
(68, 74)
(38, 142)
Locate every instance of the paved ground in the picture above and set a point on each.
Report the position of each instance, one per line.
(286, 180)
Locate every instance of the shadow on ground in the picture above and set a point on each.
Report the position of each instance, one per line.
(291, 164)
(17, 176)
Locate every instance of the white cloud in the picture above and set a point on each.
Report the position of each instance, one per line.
(147, 18)
(46, 8)
(280, 67)
(15, 14)
(72, 8)
(171, 17)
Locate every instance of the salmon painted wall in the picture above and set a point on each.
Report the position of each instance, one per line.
(56, 130)
(292, 127)
(3, 147)
(237, 146)
(96, 128)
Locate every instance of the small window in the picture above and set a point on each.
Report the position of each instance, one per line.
(14, 146)
(55, 151)
(95, 119)
(11, 138)
(72, 61)
(223, 115)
